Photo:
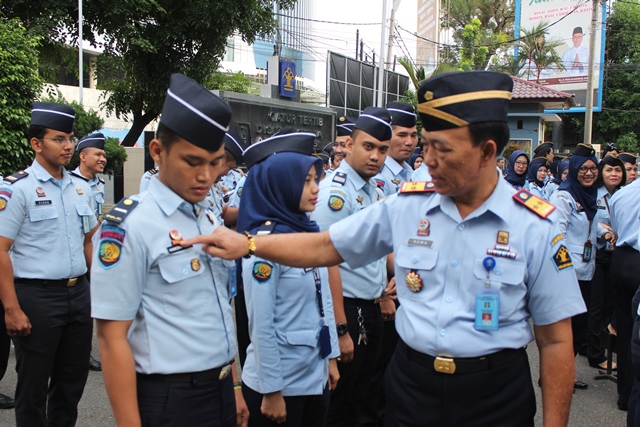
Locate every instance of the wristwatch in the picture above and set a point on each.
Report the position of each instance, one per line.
(342, 329)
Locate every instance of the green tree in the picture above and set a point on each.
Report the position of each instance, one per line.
(472, 54)
(628, 142)
(227, 81)
(20, 85)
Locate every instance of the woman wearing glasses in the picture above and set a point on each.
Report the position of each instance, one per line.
(517, 165)
(576, 202)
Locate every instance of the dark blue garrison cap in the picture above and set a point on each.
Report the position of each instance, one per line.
(95, 140)
(376, 122)
(345, 126)
(195, 114)
(235, 145)
(52, 115)
(402, 114)
(298, 142)
(459, 99)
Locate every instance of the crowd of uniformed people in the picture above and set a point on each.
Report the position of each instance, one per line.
(374, 282)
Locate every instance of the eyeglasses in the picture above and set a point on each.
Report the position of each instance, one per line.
(585, 169)
(62, 140)
(521, 163)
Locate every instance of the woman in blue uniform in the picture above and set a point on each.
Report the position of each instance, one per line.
(611, 178)
(517, 165)
(576, 203)
(291, 322)
(538, 170)
(559, 176)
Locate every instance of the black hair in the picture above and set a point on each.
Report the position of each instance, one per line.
(166, 136)
(36, 131)
(544, 152)
(496, 131)
(611, 160)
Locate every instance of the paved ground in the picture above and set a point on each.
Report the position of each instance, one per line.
(595, 407)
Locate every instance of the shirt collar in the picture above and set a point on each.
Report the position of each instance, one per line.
(43, 175)
(355, 178)
(168, 200)
(396, 168)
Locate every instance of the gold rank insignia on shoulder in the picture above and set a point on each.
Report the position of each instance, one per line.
(79, 191)
(414, 281)
(534, 203)
(417, 187)
(16, 177)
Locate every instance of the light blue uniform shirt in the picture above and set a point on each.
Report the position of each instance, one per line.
(344, 194)
(439, 319)
(47, 220)
(234, 198)
(550, 188)
(178, 301)
(573, 223)
(394, 175)
(421, 174)
(624, 208)
(231, 179)
(602, 215)
(146, 178)
(284, 324)
(97, 191)
(533, 188)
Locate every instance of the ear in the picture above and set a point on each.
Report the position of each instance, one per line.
(36, 144)
(488, 152)
(349, 143)
(155, 150)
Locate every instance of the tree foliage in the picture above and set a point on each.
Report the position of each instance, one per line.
(473, 55)
(20, 84)
(228, 81)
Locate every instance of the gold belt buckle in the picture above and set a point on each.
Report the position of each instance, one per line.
(72, 282)
(224, 372)
(444, 365)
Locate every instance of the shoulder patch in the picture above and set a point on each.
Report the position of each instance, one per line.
(380, 183)
(340, 178)
(77, 175)
(153, 171)
(557, 239)
(110, 249)
(266, 228)
(262, 271)
(16, 177)
(101, 180)
(417, 187)
(121, 210)
(562, 259)
(336, 203)
(534, 203)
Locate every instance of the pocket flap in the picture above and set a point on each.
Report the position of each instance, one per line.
(416, 257)
(507, 271)
(84, 209)
(175, 268)
(41, 213)
(304, 337)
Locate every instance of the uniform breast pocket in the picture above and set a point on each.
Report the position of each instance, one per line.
(415, 272)
(84, 209)
(507, 277)
(43, 225)
(307, 337)
(185, 290)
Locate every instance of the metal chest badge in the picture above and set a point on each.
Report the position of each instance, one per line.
(414, 281)
(195, 264)
(423, 227)
(40, 192)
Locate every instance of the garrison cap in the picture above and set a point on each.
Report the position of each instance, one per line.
(458, 99)
(195, 114)
(584, 150)
(322, 155)
(628, 158)
(540, 148)
(235, 145)
(376, 122)
(345, 126)
(298, 142)
(52, 115)
(402, 114)
(95, 140)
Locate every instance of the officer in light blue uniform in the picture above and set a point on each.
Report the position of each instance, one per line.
(422, 173)
(234, 197)
(46, 224)
(552, 186)
(170, 302)
(533, 184)
(344, 128)
(146, 178)
(349, 190)
(89, 168)
(396, 170)
(625, 270)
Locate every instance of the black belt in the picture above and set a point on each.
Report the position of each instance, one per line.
(216, 374)
(359, 301)
(62, 283)
(463, 365)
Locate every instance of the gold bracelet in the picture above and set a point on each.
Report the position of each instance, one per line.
(252, 244)
(237, 385)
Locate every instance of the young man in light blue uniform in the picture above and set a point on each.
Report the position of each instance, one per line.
(356, 291)
(93, 159)
(162, 311)
(472, 264)
(396, 170)
(46, 224)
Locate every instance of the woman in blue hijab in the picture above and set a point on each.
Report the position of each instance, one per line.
(576, 205)
(412, 161)
(559, 176)
(517, 165)
(290, 365)
(536, 176)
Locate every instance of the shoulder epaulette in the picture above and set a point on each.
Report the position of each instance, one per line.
(16, 177)
(534, 203)
(153, 171)
(417, 187)
(77, 175)
(266, 228)
(101, 180)
(340, 178)
(121, 210)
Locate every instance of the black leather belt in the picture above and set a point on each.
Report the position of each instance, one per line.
(62, 283)
(216, 374)
(463, 365)
(359, 301)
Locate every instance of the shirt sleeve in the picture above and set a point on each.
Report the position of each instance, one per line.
(13, 211)
(563, 209)
(333, 205)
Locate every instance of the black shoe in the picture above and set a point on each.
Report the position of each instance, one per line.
(94, 365)
(6, 402)
(580, 385)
